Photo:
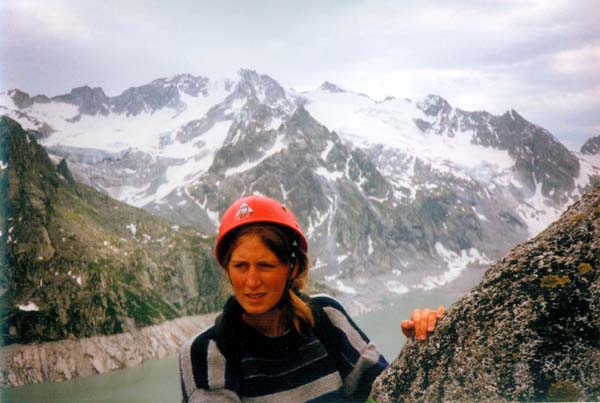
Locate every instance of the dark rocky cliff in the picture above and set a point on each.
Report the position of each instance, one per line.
(530, 331)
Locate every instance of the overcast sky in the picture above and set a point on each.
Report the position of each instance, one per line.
(541, 58)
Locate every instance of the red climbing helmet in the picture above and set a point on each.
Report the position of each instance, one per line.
(257, 209)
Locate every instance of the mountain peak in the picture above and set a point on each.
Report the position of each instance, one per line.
(263, 88)
(186, 83)
(591, 146)
(20, 98)
(86, 90)
(89, 100)
(248, 74)
(433, 104)
(512, 115)
(183, 78)
(17, 93)
(330, 87)
(255, 80)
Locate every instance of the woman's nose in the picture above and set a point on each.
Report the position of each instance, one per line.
(253, 279)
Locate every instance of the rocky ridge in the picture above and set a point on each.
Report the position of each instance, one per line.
(539, 157)
(530, 331)
(160, 93)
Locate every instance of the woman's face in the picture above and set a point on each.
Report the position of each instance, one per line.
(257, 275)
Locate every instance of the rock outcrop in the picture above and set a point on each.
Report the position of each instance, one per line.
(530, 331)
(67, 359)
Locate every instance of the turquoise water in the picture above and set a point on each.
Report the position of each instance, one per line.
(153, 381)
(383, 327)
(158, 380)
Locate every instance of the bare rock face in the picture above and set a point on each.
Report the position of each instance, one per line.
(530, 331)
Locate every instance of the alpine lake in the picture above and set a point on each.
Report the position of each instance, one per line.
(158, 380)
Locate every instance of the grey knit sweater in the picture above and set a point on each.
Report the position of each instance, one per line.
(289, 368)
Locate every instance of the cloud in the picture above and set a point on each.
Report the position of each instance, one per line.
(32, 21)
(539, 57)
(585, 60)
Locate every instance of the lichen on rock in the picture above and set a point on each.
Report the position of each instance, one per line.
(563, 391)
(552, 281)
(584, 268)
(530, 331)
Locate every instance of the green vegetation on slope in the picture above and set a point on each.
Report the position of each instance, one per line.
(78, 263)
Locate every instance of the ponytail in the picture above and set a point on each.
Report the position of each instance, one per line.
(299, 311)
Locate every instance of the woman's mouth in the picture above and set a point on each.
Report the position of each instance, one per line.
(256, 296)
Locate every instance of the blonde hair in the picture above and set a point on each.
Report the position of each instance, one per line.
(279, 240)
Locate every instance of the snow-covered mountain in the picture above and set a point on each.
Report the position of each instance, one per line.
(393, 194)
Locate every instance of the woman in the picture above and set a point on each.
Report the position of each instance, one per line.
(272, 343)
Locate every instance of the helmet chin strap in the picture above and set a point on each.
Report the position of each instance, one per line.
(290, 280)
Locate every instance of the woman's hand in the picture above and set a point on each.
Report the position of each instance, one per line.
(422, 322)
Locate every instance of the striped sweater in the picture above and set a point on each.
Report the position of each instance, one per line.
(289, 368)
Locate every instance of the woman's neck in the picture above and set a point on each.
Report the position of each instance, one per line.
(269, 323)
